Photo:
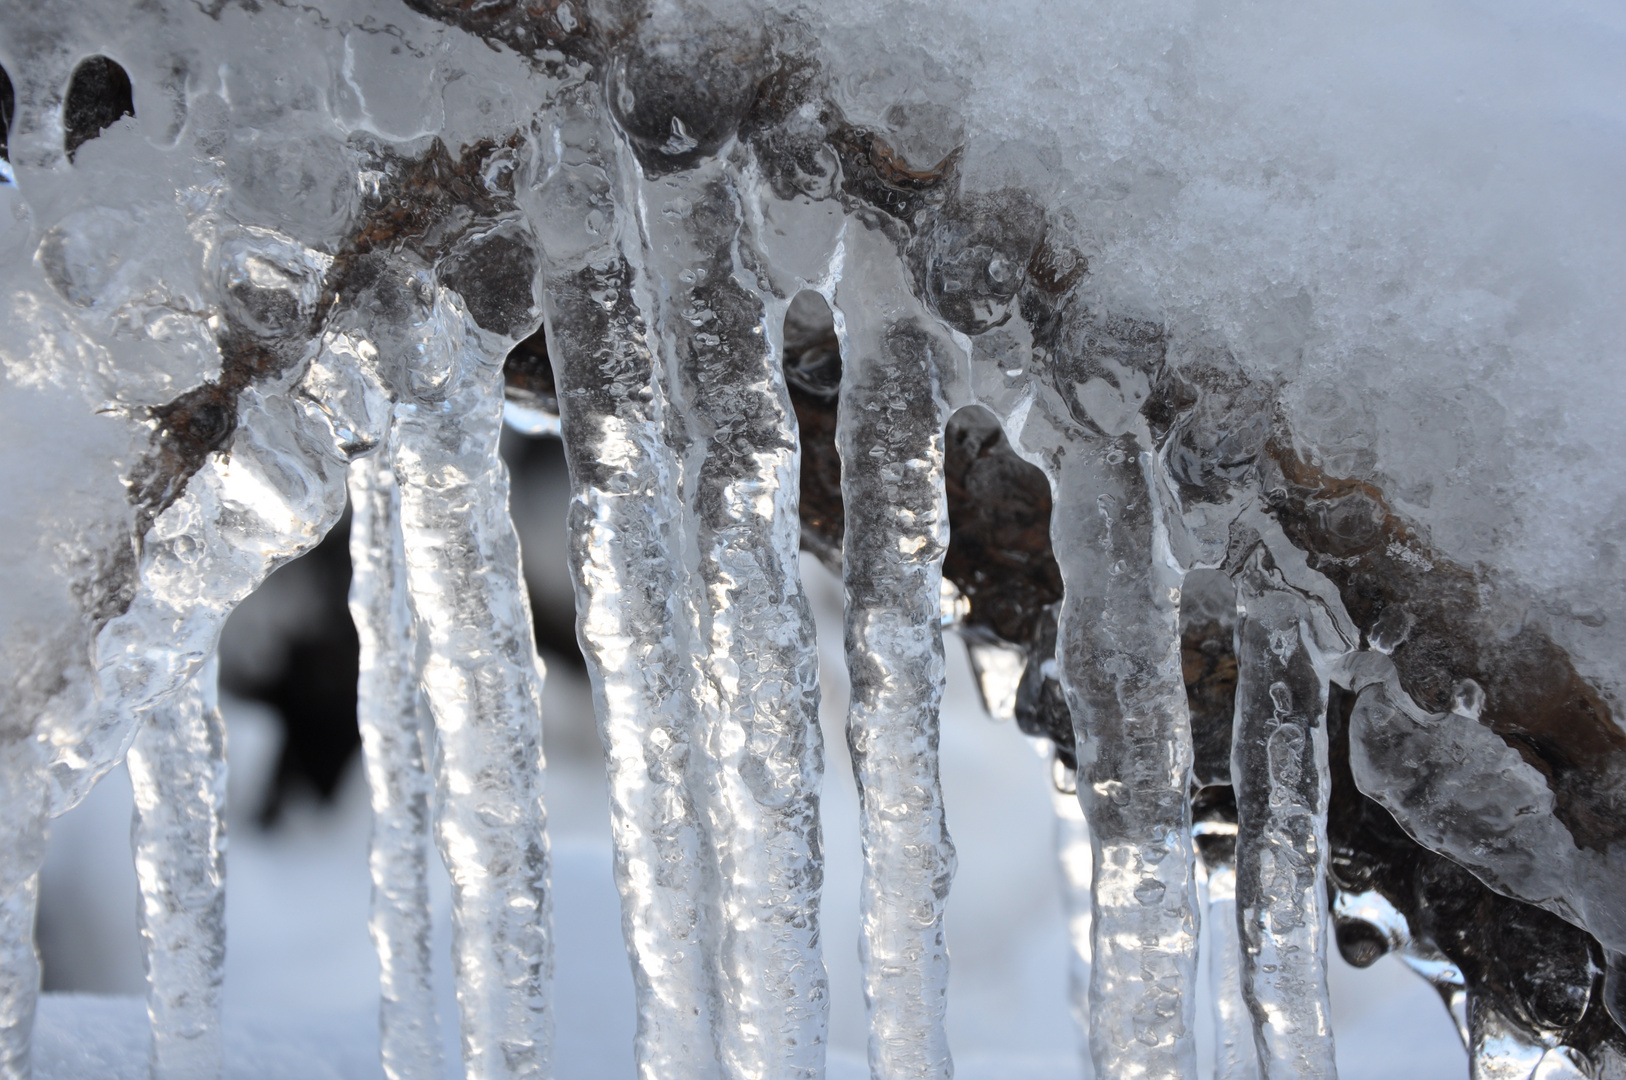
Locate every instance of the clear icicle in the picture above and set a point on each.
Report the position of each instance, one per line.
(1235, 1057)
(482, 680)
(1073, 860)
(759, 757)
(178, 774)
(19, 973)
(622, 518)
(1279, 766)
(393, 742)
(1118, 648)
(890, 436)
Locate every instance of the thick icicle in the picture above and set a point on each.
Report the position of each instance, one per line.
(178, 773)
(759, 757)
(1279, 766)
(1073, 861)
(1118, 648)
(482, 680)
(623, 547)
(890, 436)
(394, 747)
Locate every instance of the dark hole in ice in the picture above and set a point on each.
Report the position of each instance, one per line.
(528, 375)
(812, 353)
(292, 646)
(8, 109)
(812, 359)
(98, 95)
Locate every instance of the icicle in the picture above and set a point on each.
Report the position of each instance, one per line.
(623, 556)
(1073, 860)
(19, 969)
(393, 742)
(178, 773)
(756, 692)
(1118, 649)
(482, 680)
(1235, 1057)
(1279, 766)
(890, 436)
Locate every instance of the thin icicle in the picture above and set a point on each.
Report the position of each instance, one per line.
(759, 757)
(178, 773)
(890, 436)
(623, 549)
(483, 683)
(393, 742)
(19, 973)
(1073, 860)
(1279, 766)
(1118, 648)
(1234, 1055)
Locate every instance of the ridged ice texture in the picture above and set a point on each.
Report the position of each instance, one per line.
(1279, 767)
(625, 551)
(1118, 650)
(757, 755)
(482, 681)
(890, 436)
(19, 974)
(1235, 1056)
(395, 743)
(1493, 812)
(178, 835)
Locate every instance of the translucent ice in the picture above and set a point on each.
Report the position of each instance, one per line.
(178, 772)
(1275, 294)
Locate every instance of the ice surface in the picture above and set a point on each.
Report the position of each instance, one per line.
(1315, 294)
(178, 775)
(396, 748)
(890, 436)
(1280, 772)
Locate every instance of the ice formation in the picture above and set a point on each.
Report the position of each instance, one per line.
(1259, 441)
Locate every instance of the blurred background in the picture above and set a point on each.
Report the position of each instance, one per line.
(301, 979)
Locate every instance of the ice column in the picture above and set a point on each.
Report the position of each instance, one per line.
(394, 742)
(178, 773)
(624, 543)
(758, 756)
(19, 970)
(1118, 647)
(1279, 766)
(890, 437)
(483, 683)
